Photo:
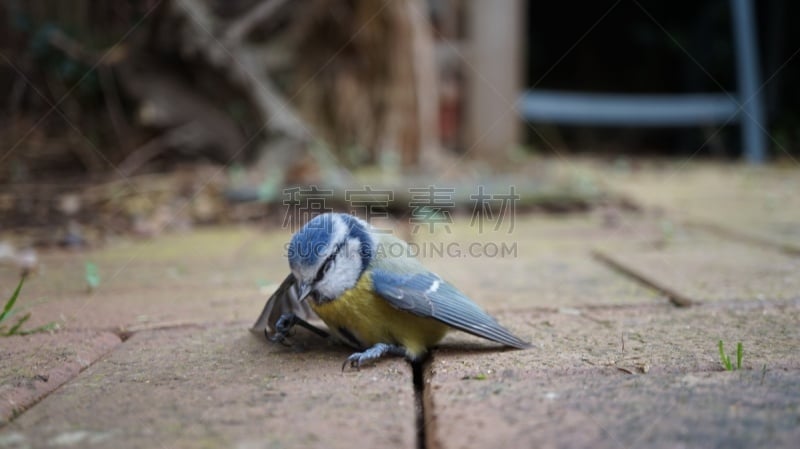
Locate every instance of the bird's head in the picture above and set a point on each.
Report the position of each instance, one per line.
(329, 254)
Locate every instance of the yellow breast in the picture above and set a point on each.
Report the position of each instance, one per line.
(371, 319)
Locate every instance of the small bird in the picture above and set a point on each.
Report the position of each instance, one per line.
(372, 294)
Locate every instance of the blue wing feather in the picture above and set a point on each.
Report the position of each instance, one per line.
(426, 294)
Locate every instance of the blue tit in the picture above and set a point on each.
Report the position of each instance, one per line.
(371, 293)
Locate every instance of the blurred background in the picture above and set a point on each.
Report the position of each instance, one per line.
(143, 116)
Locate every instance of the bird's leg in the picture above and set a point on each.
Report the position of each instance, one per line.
(285, 324)
(371, 354)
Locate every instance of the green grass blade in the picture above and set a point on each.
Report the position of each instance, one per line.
(726, 361)
(739, 354)
(43, 328)
(92, 276)
(12, 300)
(15, 329)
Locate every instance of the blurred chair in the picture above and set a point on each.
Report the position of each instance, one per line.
(744, 106)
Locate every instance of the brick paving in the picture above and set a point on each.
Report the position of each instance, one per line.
(159, 354)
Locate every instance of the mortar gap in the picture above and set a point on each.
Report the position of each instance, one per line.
(422, 403)
(677, 299)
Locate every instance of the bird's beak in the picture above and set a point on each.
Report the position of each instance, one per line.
(303, 290)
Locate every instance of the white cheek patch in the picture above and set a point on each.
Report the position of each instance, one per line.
(345, 271)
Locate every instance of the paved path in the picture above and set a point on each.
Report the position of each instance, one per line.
(626, 310)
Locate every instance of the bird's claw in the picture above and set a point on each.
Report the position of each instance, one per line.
(283, 328)
(277, 337)
(358, 359)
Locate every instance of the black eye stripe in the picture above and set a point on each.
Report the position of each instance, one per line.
(324, 267)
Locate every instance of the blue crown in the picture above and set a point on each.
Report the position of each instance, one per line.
(313, 239)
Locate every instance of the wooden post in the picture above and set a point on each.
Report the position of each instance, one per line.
(493, 71)
(425, 84)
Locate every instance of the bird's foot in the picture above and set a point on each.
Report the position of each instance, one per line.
(357, 359)
(284, 325)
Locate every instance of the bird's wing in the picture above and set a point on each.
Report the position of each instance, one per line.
(284, 300)
(426, 294)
